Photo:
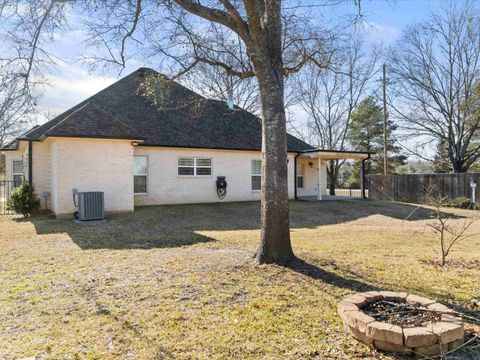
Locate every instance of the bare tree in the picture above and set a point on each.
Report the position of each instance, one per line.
(181, 34)
(436, 70)
(215, 83)
(449, 232)
(26, 27)
(329, 95)
(16, 105)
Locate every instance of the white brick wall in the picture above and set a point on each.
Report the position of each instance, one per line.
(63, 164)
(91, 165)
(166, 187)
(41, 171)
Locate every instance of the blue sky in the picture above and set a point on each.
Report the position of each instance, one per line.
(71, 80)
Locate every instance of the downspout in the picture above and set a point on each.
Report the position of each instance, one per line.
(295, 174)
(30, 170)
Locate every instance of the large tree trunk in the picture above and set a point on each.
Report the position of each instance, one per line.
(266, 53)
(457, 165)
(275, 245)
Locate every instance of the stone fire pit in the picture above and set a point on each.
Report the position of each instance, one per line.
(399, 322)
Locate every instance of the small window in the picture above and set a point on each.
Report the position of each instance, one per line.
(194, 167)
(256, 174)
(300, 182)
(300, 176)
(140, 168)
(203, 167)
(17, 172)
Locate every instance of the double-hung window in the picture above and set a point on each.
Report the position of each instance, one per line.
(256, 174)
(194, 167)
(17, 172)
(140, 169)
(300, 170)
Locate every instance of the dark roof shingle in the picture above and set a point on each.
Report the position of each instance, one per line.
(92, 121)
(190, 120)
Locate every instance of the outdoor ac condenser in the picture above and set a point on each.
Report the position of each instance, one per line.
(90, 205)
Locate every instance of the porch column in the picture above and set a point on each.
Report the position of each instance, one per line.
(319, 186)
(362, 179)
(322, 179)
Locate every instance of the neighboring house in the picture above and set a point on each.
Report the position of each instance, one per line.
(117, 142)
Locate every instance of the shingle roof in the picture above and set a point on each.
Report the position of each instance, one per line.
(92, 121)
(190, 120)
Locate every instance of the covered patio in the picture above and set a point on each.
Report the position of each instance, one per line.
(311, 173)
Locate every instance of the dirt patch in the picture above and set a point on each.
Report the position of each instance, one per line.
(401, 314)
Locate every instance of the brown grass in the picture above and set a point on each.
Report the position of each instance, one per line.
(176, 282)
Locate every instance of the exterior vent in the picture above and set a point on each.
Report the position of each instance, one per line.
(91, 206)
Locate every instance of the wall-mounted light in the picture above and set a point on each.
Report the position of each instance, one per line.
(134, 143)
(310, 164)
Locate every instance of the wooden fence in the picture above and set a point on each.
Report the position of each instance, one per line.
(411, 187)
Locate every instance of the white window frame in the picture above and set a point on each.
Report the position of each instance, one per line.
(301, 175)
(195, 166)
(146, 177)
(17, 173)
(255, 175)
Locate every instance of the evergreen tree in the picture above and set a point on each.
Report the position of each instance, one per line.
(366, 134)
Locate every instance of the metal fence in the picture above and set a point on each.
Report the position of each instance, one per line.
(6, 188)
(411, 187)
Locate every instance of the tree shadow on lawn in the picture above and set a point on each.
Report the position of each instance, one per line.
(313, 271)
(181, 225)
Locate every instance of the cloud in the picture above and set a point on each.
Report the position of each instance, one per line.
(386, 34)
(69, 85)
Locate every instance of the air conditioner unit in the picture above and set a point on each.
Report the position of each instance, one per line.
(90, 205)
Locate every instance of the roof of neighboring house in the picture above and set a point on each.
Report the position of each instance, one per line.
(188, 120)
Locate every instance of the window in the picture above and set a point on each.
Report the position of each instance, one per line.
(140, 167)
(203, 167)
(17, 172)
(256, 174)
(300, 168)
(194, 167)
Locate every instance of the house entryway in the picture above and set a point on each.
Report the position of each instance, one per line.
(311, 175)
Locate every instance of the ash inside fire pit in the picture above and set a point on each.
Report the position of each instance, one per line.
(401, 314)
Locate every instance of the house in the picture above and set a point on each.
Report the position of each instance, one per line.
(138, 154)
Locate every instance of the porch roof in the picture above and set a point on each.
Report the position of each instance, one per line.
(336, 154)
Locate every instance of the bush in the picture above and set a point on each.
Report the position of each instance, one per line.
(460, 203)
(23, 199)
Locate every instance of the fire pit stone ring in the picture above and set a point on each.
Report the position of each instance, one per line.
(399, 322)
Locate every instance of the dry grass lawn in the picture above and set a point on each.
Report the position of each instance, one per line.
(176, 282)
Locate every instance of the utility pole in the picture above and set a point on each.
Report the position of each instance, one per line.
(385, 137)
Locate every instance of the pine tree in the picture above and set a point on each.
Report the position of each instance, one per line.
(366, 134)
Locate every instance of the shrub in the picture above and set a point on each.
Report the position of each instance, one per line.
(23, 199)
(460, 203)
